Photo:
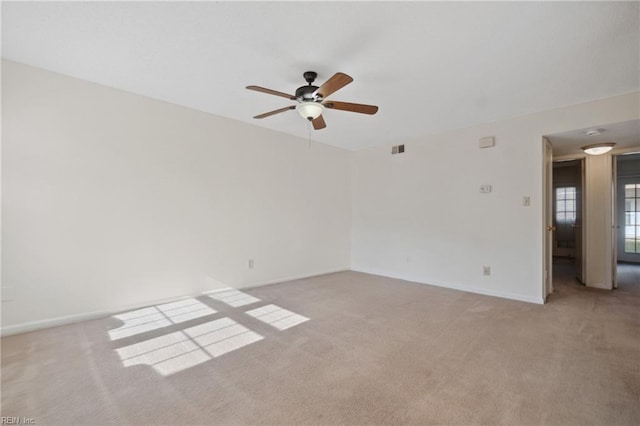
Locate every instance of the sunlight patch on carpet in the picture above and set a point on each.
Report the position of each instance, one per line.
(180, 350)
(159, 316)
(277, 317)
(222, 336)
(233, 297)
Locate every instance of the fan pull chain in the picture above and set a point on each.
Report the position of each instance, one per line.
(309, 128)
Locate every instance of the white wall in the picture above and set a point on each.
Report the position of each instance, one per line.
(420, 216)
(111, 199)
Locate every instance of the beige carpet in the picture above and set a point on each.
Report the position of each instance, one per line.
(373, 351)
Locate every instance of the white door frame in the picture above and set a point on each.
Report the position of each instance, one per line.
(580, 248)
(614, 221)
(588, 256)
(616, 212)
(547, 214)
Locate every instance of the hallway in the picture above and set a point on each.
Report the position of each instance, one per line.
(565, 283)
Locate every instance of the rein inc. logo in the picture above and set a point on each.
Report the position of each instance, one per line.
(16, 420)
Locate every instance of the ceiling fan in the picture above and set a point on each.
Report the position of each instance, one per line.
(312, 99)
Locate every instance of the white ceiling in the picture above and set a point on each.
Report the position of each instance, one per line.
(625, 134)
(431, 67)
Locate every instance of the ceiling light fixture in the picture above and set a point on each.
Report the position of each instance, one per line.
(598, 148)
(310, 109)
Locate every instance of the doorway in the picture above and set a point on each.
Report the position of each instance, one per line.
(599, 207)
(567, 238)
(627, 214)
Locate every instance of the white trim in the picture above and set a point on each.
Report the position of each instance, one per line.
(26, 327)
(600, 285)
(616, 151)
(86, 316)
(295, 277)
(501, 294)
(625, 151)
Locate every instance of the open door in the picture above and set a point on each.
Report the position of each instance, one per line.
(547, 194)
(579, 230)
(615, 222)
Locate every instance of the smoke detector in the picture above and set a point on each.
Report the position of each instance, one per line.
(594, 132)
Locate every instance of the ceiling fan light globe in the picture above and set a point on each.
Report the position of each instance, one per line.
(310, 110)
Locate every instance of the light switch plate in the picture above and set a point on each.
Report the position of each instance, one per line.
(485, 189)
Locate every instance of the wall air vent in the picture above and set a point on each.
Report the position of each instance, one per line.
(398, 149)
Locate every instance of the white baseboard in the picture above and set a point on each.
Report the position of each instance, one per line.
(86, 316)
(502, 294)
(296, 277)
(603, 286)
(26, 327)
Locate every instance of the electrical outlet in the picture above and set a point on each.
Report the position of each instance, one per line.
(250, 263)
(486, 270)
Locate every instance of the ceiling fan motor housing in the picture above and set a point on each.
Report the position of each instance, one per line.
(307, 93)
(310, 76)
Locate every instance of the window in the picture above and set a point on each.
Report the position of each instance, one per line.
(632, 218)
(566, 205)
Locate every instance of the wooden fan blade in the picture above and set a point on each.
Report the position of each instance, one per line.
(271, 92)
(277, 111)
(348, 106)
(338, 81)
(318, 123)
